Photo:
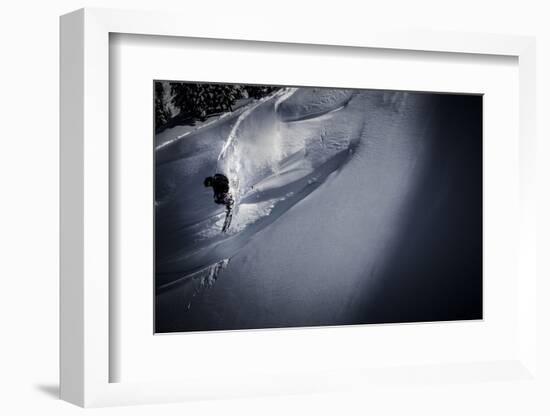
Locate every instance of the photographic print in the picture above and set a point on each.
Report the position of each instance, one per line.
(288, 206)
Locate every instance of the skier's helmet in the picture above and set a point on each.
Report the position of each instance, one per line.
(208, 181)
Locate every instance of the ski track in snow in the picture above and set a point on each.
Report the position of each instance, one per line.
(279, 150)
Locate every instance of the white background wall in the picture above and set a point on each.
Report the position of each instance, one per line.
(29, 205)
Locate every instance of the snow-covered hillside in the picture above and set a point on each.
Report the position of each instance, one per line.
(275, 152)
(321, 178)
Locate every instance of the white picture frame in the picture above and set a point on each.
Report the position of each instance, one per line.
(85, 355)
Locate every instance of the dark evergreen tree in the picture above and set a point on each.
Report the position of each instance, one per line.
(259, 91)
(162, 113)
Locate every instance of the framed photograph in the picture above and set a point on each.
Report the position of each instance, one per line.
(280, 213)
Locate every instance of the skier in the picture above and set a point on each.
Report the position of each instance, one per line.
(222, 195)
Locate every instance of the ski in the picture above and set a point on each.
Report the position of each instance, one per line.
(227, 222)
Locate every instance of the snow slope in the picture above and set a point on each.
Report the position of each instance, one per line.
(322, 180)
(275, 152)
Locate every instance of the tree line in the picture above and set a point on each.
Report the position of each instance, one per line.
(179, 103)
